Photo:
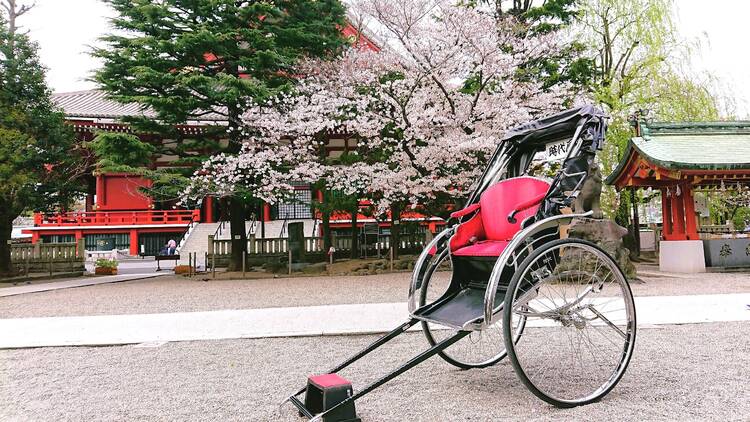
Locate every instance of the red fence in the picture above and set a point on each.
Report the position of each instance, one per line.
(117, 218)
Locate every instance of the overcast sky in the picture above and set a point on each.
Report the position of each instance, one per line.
(65, 29)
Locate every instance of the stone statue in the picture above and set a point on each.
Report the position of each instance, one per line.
(588, 197)
(609, 236)
(596, 229)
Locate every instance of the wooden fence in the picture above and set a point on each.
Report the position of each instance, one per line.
(279, 246)
(50, 257)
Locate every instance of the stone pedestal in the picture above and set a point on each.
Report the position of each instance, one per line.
(608, 235)
(682, 256)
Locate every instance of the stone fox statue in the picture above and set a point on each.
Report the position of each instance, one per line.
(588, 198)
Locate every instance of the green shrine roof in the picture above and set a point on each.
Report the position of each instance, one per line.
(691, 146)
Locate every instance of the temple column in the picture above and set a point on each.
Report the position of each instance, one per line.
(133, 242)
(688, 200)
(682, 251)
(208, 205)
(266, 212)
(100, 194)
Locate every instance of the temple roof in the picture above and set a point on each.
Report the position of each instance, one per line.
(704, 146)
(94, 104)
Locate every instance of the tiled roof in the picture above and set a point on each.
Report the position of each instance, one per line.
(696, 151)
(95, 104)
(697, 145)
(691, 146)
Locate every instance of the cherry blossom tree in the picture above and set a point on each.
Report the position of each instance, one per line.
(427, 109)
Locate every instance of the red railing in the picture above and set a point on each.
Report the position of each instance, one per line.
(117, 218)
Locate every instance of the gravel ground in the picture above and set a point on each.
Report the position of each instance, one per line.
(688, 372)
(180, 294)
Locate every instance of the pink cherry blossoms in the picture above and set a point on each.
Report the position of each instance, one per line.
(426, 110)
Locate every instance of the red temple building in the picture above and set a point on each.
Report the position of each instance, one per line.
(117, 215)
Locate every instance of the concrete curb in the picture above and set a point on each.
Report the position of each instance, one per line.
(306, 321)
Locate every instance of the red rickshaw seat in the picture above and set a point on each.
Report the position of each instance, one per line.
(488, 232)
(483, 248)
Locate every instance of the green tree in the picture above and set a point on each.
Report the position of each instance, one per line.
(39, 166)
(192, 59)
(121, 152)
(640, 63)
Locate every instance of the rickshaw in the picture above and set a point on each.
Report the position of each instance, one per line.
(504, 280)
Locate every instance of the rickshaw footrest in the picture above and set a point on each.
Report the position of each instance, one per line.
(326, 391)
(465, 306)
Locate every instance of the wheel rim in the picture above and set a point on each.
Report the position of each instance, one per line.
(580, 323)
(478, 349)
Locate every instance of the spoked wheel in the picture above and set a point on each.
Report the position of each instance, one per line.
(580, 322)
(479, 349)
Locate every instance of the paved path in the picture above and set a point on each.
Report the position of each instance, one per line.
(306, 321)
(76, 282)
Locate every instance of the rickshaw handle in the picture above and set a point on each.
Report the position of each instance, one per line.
(511, 217)
(524, 206)
(421, 260)
(468, 210)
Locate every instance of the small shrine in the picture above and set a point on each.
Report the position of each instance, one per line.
(678, 159)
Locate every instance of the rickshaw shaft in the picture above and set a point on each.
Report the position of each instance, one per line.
(400, 370)
(377, 343)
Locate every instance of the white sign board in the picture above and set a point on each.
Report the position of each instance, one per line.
(557, 150)
(701, 205)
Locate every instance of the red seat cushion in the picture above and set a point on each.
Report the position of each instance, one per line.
(483, 248)
(504, 197)
(488, 232)
(328, 380)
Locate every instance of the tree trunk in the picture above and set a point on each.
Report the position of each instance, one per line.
(355, 232)
(223, 209)
(325, 217)
(6, 227)
(237, 230)
(325, 221)
(236, 205)
(395, 228)
(622, 213)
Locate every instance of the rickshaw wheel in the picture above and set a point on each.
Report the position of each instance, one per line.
(580, 330)
(479, 349)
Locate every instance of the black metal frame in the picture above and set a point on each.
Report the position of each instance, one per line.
(300, 405)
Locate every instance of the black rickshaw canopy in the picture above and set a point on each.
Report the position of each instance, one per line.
(551, 128)
(519, 145)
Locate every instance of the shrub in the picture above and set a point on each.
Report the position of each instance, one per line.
(106, 263)
(740, 217)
